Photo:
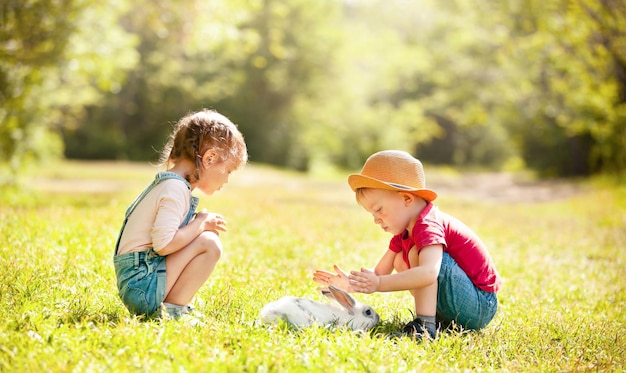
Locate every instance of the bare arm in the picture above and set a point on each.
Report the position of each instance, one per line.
(417, 277)
(203, 221)
(385, 264)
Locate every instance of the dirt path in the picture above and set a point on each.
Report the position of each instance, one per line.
(503, 187)
(488, 187)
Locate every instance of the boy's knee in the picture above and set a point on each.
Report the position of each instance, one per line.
(211, 244)
(400, 265)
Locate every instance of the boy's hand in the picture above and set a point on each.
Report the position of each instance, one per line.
(365, 281)
(339, 280)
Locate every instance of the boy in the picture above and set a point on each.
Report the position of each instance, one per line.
(438, 259)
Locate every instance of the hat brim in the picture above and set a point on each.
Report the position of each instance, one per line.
(358, 181)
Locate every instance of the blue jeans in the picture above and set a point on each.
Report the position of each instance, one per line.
(460, 301)
(141, 281)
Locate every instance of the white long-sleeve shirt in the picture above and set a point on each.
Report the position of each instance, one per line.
(156, 218)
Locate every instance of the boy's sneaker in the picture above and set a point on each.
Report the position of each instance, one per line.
(416, 330)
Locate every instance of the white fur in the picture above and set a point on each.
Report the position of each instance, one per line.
(342, 311)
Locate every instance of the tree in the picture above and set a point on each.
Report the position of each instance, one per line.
(33, 36)
(565, 68)
(289, 45)
(49, 70)
(249, 60)
(463, 82)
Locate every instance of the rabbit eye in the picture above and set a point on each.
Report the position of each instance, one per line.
(368, 312)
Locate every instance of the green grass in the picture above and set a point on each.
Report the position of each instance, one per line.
(562, 307)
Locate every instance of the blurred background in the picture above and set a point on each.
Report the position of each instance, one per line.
(495, 85)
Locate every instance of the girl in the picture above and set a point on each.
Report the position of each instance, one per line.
(438, 259)
(165, 251)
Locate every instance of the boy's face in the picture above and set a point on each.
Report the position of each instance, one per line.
(391, 210)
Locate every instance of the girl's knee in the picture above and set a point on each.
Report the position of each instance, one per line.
(211, 244)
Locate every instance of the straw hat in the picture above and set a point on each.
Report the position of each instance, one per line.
(393, 170)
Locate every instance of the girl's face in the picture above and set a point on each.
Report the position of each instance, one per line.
(214, 173)
(213, 177)
(393, 211)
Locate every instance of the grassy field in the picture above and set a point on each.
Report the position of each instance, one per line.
(560, 248)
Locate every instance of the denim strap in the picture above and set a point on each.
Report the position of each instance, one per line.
(193, 201)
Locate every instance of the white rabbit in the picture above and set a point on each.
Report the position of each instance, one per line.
(343, 311)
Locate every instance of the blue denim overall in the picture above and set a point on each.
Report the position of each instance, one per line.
(460, 301)
(140, 276)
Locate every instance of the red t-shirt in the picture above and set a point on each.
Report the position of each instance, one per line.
(434, 227)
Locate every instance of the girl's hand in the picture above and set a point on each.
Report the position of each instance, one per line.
(365, 281)
(339, 280)
(211, 221)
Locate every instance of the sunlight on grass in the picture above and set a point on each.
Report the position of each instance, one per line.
(562, 304)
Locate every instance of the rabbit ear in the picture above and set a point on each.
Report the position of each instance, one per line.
(328, 294)
(341, 297)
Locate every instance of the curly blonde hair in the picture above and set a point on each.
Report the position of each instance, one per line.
(197, 132)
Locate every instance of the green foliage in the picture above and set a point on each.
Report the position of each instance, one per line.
(464, 82)
(33, 36)
(570, 93)
(561, 307)
(57, 57)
